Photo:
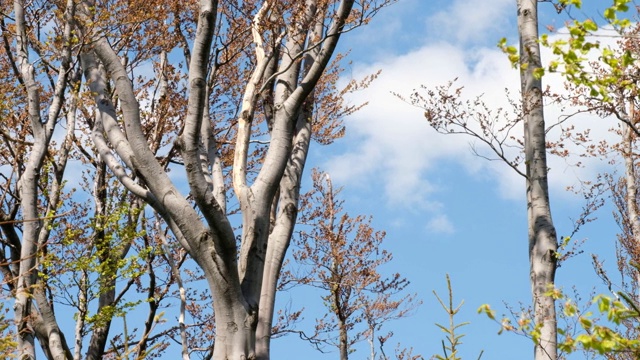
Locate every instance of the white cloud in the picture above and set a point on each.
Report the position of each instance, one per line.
(398, 144)
(469, 20)
(397, 147)
(440, 224)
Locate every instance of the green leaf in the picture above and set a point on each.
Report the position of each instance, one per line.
(604, 303)
(538, 73)
(624, 23)
(627, 59)
(590, 25)
(570, 309)
(610, 14)
(585, 339)
(585, 323)
(502, 43)
(485, 308)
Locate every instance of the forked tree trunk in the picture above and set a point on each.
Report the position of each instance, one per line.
(243, 283)
(542, 234)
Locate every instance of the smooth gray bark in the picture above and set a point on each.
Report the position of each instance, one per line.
(343, 339)
(630, 178)
(35, 224)
(241, 286)
(542, 233)
(284, 220)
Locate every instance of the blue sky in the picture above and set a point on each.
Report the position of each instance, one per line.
(444, 209)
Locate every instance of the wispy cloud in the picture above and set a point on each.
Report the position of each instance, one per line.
(440, 224)
(391, 142)
(396, 143)
(469, 20)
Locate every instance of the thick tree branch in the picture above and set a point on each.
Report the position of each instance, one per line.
(190, 139)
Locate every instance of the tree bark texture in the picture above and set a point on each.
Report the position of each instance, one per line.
(542, 233)
(629, 138)
(35, 229)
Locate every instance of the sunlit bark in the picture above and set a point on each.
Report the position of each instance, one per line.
(542, 233)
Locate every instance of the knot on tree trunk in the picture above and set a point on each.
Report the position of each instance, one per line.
(232, 327)
(251, 321)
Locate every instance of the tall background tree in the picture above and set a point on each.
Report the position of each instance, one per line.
(543, 242)
(447, 112)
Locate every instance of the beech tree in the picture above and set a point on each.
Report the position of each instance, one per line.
(543, 241)
(447, 112)
(229, 94)
(607, 88)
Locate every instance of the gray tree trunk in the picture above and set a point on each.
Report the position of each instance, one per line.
(630, 178)
(242, 283)
(343, 339)
(542, 234)
(40, 323)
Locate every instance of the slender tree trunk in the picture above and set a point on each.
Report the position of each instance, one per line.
(80, 317)
(33, 234)
(629, 137)
(107, 283)
(372, 345)
(344, 340)
(542, 234)
(27, 187)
